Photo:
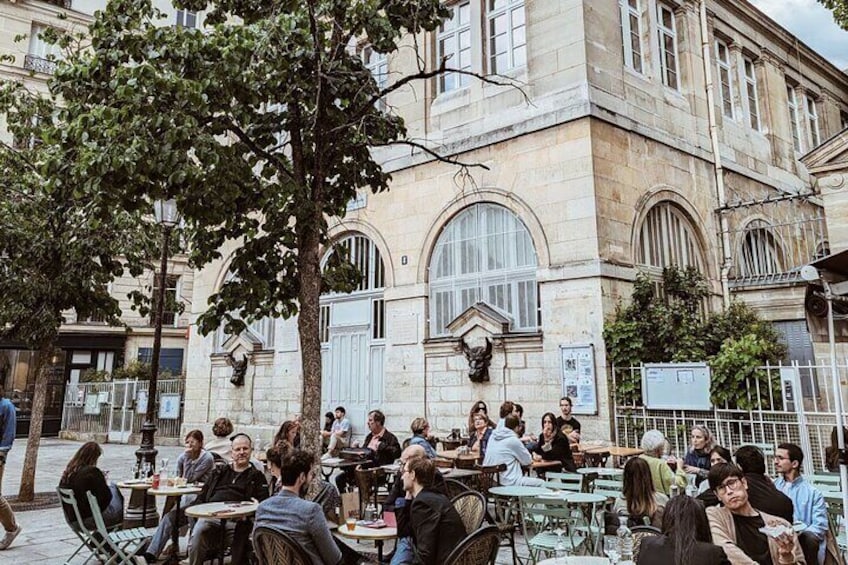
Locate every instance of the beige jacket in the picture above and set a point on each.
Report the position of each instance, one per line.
(724, 536)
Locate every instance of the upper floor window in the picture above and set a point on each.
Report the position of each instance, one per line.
(631, 33)
(186, 18)
(725, 78)
(260, 331)
(794, 119)
(484, 254)
(453, 42)
(507, 35)
(42, 55)
(667, 238)
(667, 34)
(813, 122)
(751, 93)
(378, 64)
(760, 251)
(169, 312)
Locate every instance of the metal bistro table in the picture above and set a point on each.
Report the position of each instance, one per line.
(333, 463)
(223, 511)
(178, 493)
(142, 486)
(508, 507)
(377, 535)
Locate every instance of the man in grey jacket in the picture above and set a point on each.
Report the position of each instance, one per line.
(504, 447)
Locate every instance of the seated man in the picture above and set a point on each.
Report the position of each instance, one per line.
(567, 423)
(761, 490)
(339, 435)
(436, 525)
(505, 448)
(736, 525)
(235, 482)
(383, 447)
(288, 512)
(807, 502)
(507, 408)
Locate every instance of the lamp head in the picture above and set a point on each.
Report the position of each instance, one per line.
(166, 213)
(809, 273)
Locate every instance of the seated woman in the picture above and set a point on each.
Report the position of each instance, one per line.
(718, 454)
(686, 538)
(697, 459)
(288, 435)
(653, 444)
(478, 408)
(480, 435)
(220, 445)
(82, 476)
(639, 501)
(421, 436)
(553, 445)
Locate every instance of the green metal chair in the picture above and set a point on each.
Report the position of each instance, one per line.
(564, 481)
(543, 518)
(824, 482)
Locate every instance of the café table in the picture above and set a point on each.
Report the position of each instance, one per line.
(377, 535)
(576, 560)
(615, 451)
(333, 463)
(508, 507)
(223, 511)
(459, 474)
(139, 485)
(177, 492)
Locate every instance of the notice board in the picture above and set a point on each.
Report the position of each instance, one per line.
(578, 377)
(676, 386)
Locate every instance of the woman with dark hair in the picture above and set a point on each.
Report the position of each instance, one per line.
(479, 407)
(553, 445)
(639, 501)
(718, 454)
(686, 538)
(220, 446)
(82, 475)
(831, 453)
(287, 437)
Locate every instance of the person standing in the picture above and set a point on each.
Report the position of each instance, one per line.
(8, 423)
(568, 424)
(808, 503)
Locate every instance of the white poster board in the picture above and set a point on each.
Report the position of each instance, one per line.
(676, 386)
(169, 406)
(578, 377)
(92, 404)
(141, 402)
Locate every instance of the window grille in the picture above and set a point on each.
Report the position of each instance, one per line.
(794, 120)
(365, 256)
(454, 43)
(813, 122)
(667, 33)
(42, 56)
(753, 98)
(631, 33)
(484, 254)
(725, 76)
(667, 238)
(761, 251)
(507, 35)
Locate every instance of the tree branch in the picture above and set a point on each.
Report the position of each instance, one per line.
(432, 153)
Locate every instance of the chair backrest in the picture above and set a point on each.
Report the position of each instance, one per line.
(607, 487)
(478, 548)
(277, 548)
(824, 482)
(564, 481)
(67, 496)
(99, 523)
(454, 488)
(490, 476)
(640, 533)
(471, 507)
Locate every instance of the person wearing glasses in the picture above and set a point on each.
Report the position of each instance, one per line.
(807, 501)
(736, 526)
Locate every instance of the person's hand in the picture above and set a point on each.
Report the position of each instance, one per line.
(574, 436)
(786, 543)
(691, 469)
(537, 457)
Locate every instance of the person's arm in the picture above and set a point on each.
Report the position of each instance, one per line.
(320, 533)
(820, 524)
(521, 453)
(425, 528)
(95, 481)
(723, 537)
(205, 464)
(258, 485)
(181, 464)
(344, 430)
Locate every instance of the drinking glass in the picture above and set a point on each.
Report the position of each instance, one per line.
(560, 551)
(612, 548)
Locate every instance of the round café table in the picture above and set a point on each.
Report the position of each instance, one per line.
(178, 493)
(508, 507)
(142, 486)
(223, 511)
(576, 560)
(377, 535)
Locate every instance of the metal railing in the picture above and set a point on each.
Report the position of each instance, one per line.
(116, 408)
(39, 64)
(802, 413)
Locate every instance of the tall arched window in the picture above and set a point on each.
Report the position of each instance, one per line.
(761, 252)
(668, 238)
(484, 254)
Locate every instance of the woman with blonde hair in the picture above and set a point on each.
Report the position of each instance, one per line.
(420, 428)
(697, 459)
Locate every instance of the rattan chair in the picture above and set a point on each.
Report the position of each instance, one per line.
(640, 533)
(490, 476)
(277, 548)
(478, 548)
(471, 506)
(368, 482)
(454, 488)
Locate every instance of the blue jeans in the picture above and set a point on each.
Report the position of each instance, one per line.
(404, 552)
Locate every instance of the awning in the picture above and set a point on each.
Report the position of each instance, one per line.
(836, 263)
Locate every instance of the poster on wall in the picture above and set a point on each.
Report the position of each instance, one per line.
(141, 402)
(92, 404)
(578, 377)
(169, 406)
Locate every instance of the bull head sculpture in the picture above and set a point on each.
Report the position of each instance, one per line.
(478, 361)
(239, 369)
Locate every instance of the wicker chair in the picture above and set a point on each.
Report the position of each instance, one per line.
(454, 488)
(276, 548)
(368, 482)
(478, 548)
(490, 476)
(640, 533)
(471, 506)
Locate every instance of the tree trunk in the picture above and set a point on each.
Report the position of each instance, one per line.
(310, 342)
(27, 490)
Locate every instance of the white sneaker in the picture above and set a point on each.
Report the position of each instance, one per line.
(10, 537)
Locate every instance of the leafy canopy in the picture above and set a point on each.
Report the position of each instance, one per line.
(840, 11)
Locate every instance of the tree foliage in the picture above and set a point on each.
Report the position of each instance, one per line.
(669, 327)
(840, 11)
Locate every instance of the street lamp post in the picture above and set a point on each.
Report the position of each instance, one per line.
(167, 217)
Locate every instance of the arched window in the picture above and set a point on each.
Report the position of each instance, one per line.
(668, 238)
(761, 252)
(484, 254)
(259, 331)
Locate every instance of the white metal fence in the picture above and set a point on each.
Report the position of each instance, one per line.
(116, 408)
(802, 413)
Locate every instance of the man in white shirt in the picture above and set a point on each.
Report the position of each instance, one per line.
(339, 434)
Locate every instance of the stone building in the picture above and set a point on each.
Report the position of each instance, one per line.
(657, 133)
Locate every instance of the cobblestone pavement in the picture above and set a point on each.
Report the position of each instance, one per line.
(45, 537)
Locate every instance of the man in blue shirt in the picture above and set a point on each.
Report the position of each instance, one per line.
(807, 501)
(8, 422)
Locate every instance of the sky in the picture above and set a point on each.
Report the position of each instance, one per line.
(813, 24)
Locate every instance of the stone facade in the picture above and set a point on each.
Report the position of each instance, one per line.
(583, 165)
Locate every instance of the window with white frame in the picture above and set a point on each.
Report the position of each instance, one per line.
(507, 35)
(631, 33)
(187, 19)
(813, 122)
(760, 251)
(725, 78)
(667, 238)
(794, 118)
(484, 254)
(261, 331)
(42, 56)
(751, 93)
(667, 35)
(453, 42)
(171, 306)
(378, 64)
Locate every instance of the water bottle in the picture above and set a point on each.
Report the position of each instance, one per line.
(625, 541)
(675, 490)
(691, 489)
(560, 552)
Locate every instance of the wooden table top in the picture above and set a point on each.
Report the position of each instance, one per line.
(454, 454)
(460, 473)
(612, 450)
(222, 510)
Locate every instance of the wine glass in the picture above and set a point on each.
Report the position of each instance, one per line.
(612, 548)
